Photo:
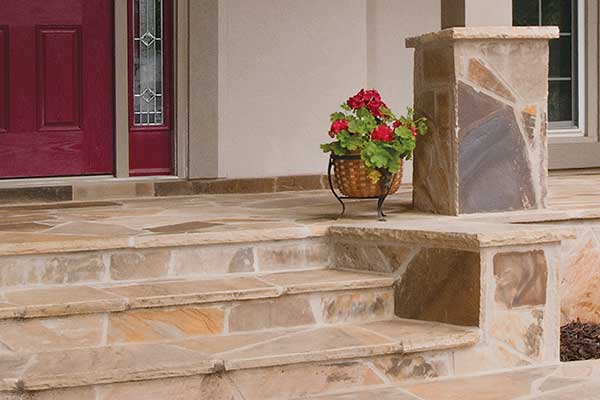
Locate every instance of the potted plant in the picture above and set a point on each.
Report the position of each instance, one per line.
(370, 142)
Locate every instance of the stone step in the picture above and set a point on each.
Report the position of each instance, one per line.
(347, 354)
(95, 315)
(163, 257)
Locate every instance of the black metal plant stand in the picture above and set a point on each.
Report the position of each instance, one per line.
(385, 184)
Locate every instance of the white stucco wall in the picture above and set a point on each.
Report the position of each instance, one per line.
(390, 64)
(283, 66)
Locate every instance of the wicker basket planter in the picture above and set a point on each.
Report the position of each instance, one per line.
(352, 179)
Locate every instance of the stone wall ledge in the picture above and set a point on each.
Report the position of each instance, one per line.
(458, 236)
(485, 33)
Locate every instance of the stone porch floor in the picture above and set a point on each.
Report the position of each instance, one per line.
(141, 223)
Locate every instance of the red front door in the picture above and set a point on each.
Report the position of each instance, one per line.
(56, 87)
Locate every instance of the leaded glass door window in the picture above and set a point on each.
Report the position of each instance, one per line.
(148, 63)
(565, 98)
(150, 66)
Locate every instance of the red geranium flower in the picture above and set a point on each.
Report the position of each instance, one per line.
(367, 98)
(397, 124)
(337, 127)
(383, 133)
(414, 131)
(357, 101)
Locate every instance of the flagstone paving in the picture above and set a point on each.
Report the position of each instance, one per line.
(570, 381)
(149, 222)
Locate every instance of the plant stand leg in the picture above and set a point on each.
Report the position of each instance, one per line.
(386, 185)
(329, 177)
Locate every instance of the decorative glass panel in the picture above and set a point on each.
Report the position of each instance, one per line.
(148, 63)
(563, 109)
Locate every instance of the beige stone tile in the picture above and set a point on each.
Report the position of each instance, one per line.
(164, 324)
(580, 297)
(521, 278)
(283, 312)
(112, 364)
(85, 393)
(215, 345)
(328, 343)
(401, 368)
(582, 391)
(325, 279)
(523, 330)
(371, 257)
(507, 386)
(61, 301)
(213, 387)
(200, 291)
(85, 228)
(36, 335)
(485, 357)
(424, 336)
(379, 394)
(140, 264)
(279, 256)
(58, 269)
(441, 285)
(298, 381)
(357, 305)
(112, 190)
(213, 260)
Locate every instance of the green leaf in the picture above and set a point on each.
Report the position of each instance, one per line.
(337, 116)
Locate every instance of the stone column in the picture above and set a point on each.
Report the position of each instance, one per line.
(484, 91)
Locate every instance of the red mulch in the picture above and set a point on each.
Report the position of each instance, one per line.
(579, 341)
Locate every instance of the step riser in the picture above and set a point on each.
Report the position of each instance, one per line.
(170, 323)
(270, 383)
(156, 263)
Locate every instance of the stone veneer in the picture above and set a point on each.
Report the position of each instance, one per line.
(484, 92)
(511, 292)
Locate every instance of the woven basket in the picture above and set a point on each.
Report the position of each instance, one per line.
(352, 179)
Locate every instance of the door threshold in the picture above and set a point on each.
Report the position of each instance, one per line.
(70, 180)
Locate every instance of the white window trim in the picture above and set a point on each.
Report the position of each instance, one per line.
(580, 131)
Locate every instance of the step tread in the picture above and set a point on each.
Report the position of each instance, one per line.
(206, 355)
(72, 300)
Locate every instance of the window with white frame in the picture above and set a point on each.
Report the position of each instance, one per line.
(566, 93)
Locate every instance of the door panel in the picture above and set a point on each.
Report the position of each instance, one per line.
(150, 83)
(59, 111)
(3, 79)
(59, 78)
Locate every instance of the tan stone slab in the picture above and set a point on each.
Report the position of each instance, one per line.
(81, 367)
(36, 335)
(418, 336)
(281, 312)
(379, 394)
(301, 380)
(321, 344)
(164, 324)
(460, 235)
(488, 32)
(326, 280)
(193, 292)
(85, 228)
(213, 387)
(30, 303)
(505, 386)
(31, 243)
(216, 346)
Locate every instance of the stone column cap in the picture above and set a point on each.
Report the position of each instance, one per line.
(485, 33)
